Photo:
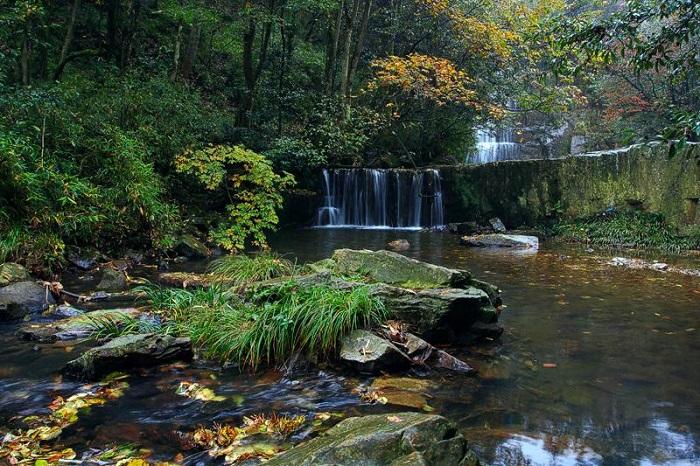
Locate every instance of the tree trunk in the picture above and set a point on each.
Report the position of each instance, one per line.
(67, 41)
(191, 50)
(176, 54)
(350, 22)
(360, 43)
(251, 72)
(333, 40)
(26, 53)
(112, 14)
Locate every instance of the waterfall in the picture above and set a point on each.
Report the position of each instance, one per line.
(494, 146)
(374, 198)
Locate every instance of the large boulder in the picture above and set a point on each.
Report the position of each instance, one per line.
(191, 247)
(399, 245)
(11, 273)
(368, 352)
(129, 352)
(396, 269)
(498, 240)
(400, 439)
(113, 280)
(22, 298)
(73, 328)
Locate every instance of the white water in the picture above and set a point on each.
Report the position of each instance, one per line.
(494, 146)
(374, 198)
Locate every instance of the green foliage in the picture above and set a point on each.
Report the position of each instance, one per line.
(627, 229)
(250, 183)
(238, 271)
(112, 326)
(276, 324)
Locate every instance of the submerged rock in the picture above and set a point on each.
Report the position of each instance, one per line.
(72, 328)
(113, 280)
(11, 273)
(128, 352)
(191, 247)
(399, 245)
(501, 241)
(396, 269)
(406, 439)
(22, 298)
(462, 228)
(368, 352)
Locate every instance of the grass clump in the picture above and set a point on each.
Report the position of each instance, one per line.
(238, 271)
(120, 324)
(281, 321)
(627, 229)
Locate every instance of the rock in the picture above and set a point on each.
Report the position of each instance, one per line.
(368, 352)
(497, 225)
(63, 311)
(191, 247)
(396, 269)
(113, 280)
(185, 279)
(399, 439)
(403, 391)
(483, 330)
(399, 245)
(437, 314)
(462, 228)
(71, 328)
(11, 273)
(22, 298)
(84, 259)
(660, 266)
(422, 352)
(501, 241)
(128, 352)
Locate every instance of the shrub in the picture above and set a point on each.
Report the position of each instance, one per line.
(249, 182)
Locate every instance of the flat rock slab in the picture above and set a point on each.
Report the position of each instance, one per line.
(129, 352)
(406, 439)
(186, 279)
(395, 269)
(72, 328)
(501, 241)
(368, 352)
(22, 298)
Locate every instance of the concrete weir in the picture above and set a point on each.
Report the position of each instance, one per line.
(527, 192)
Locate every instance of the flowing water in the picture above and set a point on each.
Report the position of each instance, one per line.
(380, 199)
(495, 146)
(624, 390)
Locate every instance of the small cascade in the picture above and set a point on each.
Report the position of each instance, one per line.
(374, 198)
(494, 146)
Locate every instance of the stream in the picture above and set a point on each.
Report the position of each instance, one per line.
(620, 346)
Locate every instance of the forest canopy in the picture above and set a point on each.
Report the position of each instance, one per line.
(106, 106)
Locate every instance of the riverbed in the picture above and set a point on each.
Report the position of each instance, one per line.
(598, 365)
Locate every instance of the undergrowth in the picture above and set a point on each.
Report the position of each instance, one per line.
(628, 229)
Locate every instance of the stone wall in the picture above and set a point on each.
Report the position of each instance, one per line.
(529, 192)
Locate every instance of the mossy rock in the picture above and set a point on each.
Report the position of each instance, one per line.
(71, 328)
(129, 352)
(11, 273)
(396, 269)
(406, 439)
(191, 247)
(113, 280)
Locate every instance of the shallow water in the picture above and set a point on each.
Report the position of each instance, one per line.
(624, 390)
(625, 387)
